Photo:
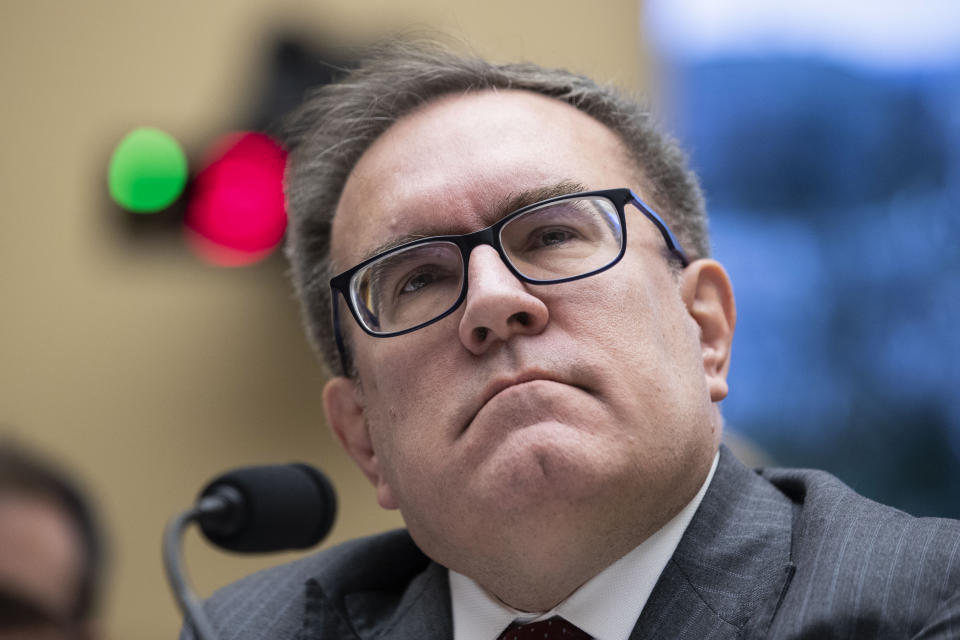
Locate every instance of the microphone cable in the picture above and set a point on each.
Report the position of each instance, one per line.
(250, 510)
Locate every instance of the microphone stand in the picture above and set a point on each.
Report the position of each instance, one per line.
(187, 600)
(250, 510)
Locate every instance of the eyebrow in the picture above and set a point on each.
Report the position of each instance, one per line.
(503, 208)
(517, 201)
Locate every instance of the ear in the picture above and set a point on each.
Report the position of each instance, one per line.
(708, 295)
(343, 404)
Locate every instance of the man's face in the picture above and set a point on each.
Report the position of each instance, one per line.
(40, 559)
(530, 404)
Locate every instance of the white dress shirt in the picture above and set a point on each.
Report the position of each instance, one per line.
(607, 606)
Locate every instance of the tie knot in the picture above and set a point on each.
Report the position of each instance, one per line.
(556, 628)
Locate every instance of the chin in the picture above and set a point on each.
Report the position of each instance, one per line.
(540, 466)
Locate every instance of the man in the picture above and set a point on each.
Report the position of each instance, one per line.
(50, 552)
(530, 343)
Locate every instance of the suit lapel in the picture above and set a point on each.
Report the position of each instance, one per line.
(732, 566)
(423, 611)
(398, 595)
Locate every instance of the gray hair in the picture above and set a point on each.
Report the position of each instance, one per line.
(334, 127)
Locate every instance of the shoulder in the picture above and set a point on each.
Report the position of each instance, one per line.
(271, 603)
(829, 515)
(863, 567)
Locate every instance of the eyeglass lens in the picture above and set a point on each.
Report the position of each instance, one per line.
(559, 240)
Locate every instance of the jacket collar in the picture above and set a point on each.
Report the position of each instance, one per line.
(732, 566)
(388, 590)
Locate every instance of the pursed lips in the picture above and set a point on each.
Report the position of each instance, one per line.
(501, 384)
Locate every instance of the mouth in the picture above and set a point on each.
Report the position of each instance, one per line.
(500, 384)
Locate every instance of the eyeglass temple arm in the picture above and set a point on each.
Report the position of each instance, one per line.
(337, 333)
(668, 236)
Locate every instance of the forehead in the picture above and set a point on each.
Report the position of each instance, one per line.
(448, 166)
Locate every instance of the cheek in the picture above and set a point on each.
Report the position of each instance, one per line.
(409, 396)
(647, 338)
(415, 366)
(402, 376)
(640, 318)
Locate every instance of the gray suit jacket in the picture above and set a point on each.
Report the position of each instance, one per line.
(770, 554)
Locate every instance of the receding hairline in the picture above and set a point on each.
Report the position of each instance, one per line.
(504, 205)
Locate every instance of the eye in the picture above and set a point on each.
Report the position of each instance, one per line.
(419, 280)
(550, 237)
(435, 278)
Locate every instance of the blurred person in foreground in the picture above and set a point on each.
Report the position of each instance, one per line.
(50, 551)
(507, 270)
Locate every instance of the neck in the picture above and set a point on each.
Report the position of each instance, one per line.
(536, 570)
(538, 586)
(540, 564)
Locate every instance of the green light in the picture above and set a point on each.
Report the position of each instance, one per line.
(148, 171)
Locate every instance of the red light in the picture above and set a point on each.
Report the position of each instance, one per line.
(236, 214)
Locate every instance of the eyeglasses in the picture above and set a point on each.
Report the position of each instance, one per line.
(556, 240)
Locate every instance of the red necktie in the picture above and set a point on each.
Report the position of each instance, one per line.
(556, 628)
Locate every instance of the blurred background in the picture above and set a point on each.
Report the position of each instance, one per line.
(149, 351)
(827, 137)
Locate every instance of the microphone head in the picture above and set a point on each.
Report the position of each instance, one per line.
(269, 508)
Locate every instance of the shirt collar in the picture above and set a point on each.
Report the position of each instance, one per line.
(607, 606)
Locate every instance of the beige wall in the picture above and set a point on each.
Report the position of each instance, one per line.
(142, 368)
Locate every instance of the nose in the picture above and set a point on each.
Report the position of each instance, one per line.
(498, 305)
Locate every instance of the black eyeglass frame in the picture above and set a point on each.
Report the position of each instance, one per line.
(491, 236)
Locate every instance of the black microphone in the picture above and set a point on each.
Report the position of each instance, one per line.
(270, 508)
(251, 510)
